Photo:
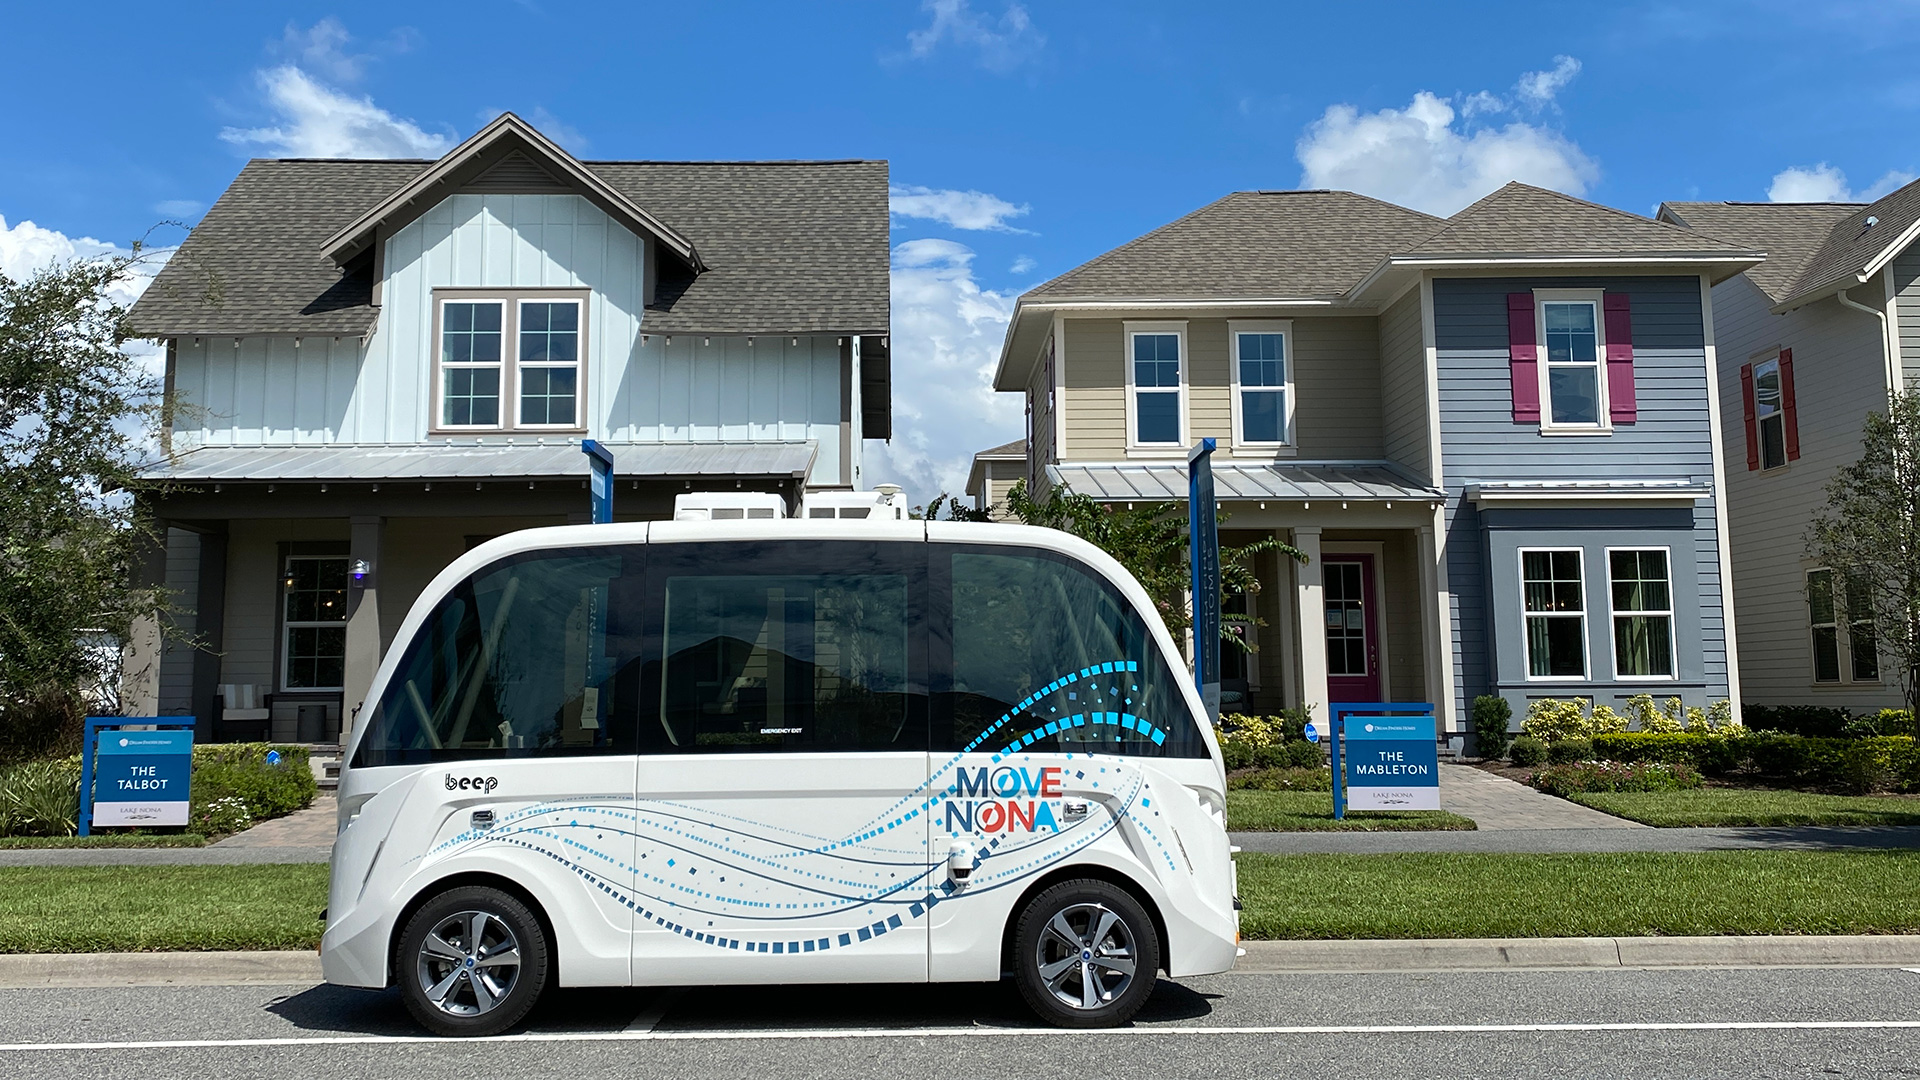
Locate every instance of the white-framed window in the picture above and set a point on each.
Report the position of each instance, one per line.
(1641, 596)
(1263, 394)
(1553, 599)
(1844, 649)
(1573, 360)
(1156, 385)
(510, 360)
(1769, 414)
(313, 635)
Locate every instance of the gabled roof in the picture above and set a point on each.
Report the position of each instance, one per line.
(1520, 219)
(1251, 244)
(505, 137)
(1855, 251)
(1013, 451)
(1790, 233)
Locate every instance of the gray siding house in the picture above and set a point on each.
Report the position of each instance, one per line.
(1813, 339)
(376, 365)
(1494, 435)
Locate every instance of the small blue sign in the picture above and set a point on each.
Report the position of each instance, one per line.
(1312, 733)
(273, 757)
(1392, 763)
(142, 777)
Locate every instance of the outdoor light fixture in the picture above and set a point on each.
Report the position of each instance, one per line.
(360, 570)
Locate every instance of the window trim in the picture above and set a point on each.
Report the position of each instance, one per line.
(1614, 614)
(1602, 405)
(1129, 331)
(1842, 624)
(1779, 413)
(579, 362)
(287, 626)
(1284, 328)
(1586, 639)
(511, 301)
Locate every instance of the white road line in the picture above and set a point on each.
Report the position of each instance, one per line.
(956, 1033)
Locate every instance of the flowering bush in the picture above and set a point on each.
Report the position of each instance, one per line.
(1572, 779)
(1651, 718)
(1552, 720)
(1607, 722)
(218, 817)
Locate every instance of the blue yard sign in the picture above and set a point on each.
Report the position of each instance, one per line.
(134, 777)
(1388, 759)
(600, 460)
(1203, 548)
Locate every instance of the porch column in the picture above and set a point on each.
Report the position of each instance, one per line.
(1436, 627)
(140, 654)
(1310, 604)
(363, 619)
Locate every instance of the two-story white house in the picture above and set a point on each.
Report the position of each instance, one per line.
(375, 365)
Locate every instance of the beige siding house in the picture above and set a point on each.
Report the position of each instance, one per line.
(1811, 341)
(993, 475)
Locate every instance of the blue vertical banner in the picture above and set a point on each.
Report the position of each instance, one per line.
(1392, 763)
(141, 777)
(1203, 547)
(600, 460)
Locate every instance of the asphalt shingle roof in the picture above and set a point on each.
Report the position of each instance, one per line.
(1266, 244)
(791, 247)
(1520, 219)
(1852, 244)
(1790, 233)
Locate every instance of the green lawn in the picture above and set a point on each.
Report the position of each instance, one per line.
(1312, 811)
(1486, 895)
(108, 840)
(153, 908)
(1749, 806)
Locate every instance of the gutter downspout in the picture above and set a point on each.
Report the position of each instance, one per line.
(1890, 357)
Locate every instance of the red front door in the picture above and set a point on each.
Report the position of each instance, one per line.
(1353, 628)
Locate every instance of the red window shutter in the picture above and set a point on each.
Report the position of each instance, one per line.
(1523, 358)
(1753, 427)
(1789, 412)
(1619, 326)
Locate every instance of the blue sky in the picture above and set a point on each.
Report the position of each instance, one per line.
(1024, 138)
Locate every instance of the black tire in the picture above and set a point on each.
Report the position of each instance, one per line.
(1088, 989)
(480, 990)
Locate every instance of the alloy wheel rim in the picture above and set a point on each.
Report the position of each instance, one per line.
(468, 963)
(1086, 956)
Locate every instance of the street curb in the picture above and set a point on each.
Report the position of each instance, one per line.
(1498, 954)
(31, 970)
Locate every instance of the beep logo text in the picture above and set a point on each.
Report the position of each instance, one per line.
(1003, 799)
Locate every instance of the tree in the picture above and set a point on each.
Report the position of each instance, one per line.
(1151, 542)
(1868, 535)
(77, 416)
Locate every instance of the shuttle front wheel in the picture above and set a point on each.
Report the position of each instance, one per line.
(1085, 954)
(473, 960)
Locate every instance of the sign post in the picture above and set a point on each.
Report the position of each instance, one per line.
(1203, 547)
(1386, 756)
(600, 460)
(135, 777)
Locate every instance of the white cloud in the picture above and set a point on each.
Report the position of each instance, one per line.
(1825, 183)
(1538, 89)
(1022, 265)
(1003, 44)
(1420, 157)
(947, 332)
(317, 120)
(958, 209)
(27, 248)
(322, 48)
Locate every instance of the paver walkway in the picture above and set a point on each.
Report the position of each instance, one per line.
(1494, 802)
(312, 827)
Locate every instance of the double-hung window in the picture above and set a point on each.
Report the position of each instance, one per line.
(313, 647)
(510, 362)
(1642, 595)
(1841, 619)
(1573, 378)
(1554, 596)
(1769, 414)
(1156, 385)
(1262, 383)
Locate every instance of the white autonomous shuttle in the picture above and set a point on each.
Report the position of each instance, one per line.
(788, 751)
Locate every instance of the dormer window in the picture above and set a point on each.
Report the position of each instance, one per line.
(483, 383)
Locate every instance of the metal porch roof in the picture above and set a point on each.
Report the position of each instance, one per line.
(1151, 481)
(478, 460)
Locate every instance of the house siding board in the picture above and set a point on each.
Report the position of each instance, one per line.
(1040, 426)
(250, 639)
(1403, 386)
(1095, 384)
(1480, 441)
(1839, 376)
(1337, 375)
(1906, 284)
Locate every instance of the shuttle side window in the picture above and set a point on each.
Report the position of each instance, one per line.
(521, 659)
(1044, 655)
(783, 647)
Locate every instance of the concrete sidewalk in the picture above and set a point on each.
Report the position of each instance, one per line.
(34, 970)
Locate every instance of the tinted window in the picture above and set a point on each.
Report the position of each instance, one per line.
(522, 658)
(1047, 656)
(795, 647)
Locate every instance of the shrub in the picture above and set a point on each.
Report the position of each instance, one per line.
(1884, 722)
(1305, 755)
(1576, 777)
(1652, 719)
(1715, 755)
(269, 791)
(1528, 751)
(41, 798)
(1319, 778)
(1567, 751)
(1813, 721)
(1492, 716)
(227, 814)
(1607, 722)
(1551, 720)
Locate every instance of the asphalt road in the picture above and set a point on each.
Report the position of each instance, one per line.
(1694, 1023)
